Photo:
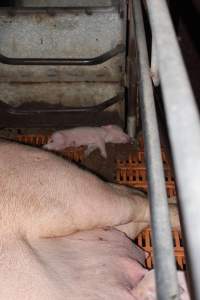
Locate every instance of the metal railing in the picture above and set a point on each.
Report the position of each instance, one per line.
(183, 124)
(70, 110)
(63, 61)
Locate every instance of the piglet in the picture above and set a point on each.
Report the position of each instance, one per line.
(92, 137)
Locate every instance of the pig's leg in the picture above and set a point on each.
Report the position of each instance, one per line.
(97, 207)
(99, 145)
(90, 149)
(132, 229)
(102, 147)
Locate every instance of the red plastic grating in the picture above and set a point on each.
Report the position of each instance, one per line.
(132, 172)
(75, 154)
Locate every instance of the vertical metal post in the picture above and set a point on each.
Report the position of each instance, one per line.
(183, 123)
(132, 77)
(165, 269)
(154, 64)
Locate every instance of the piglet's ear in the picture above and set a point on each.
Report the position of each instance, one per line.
(107, 126)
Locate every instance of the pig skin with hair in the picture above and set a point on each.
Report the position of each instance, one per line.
(89, 265)
(44, 201)
(37, 185)
(92, 137)
(93, 265)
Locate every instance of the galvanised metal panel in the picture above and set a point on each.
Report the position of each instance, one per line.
(65, 34)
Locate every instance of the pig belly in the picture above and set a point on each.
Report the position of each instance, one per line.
(92, 265)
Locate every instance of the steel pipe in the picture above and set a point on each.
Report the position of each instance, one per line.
(154, 64)
(85, 109)
(164, 261)
(63, 61)
(66, 3)
(183, 123)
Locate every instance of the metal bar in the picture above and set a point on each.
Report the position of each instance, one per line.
(183, 123)
(65, 120)
(67, 3)
(154, 64)
(13, 11)
(63, 61)
(164, 260)
(95, 108)
(132, 77)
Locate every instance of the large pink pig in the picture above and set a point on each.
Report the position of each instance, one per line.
(44, 201)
